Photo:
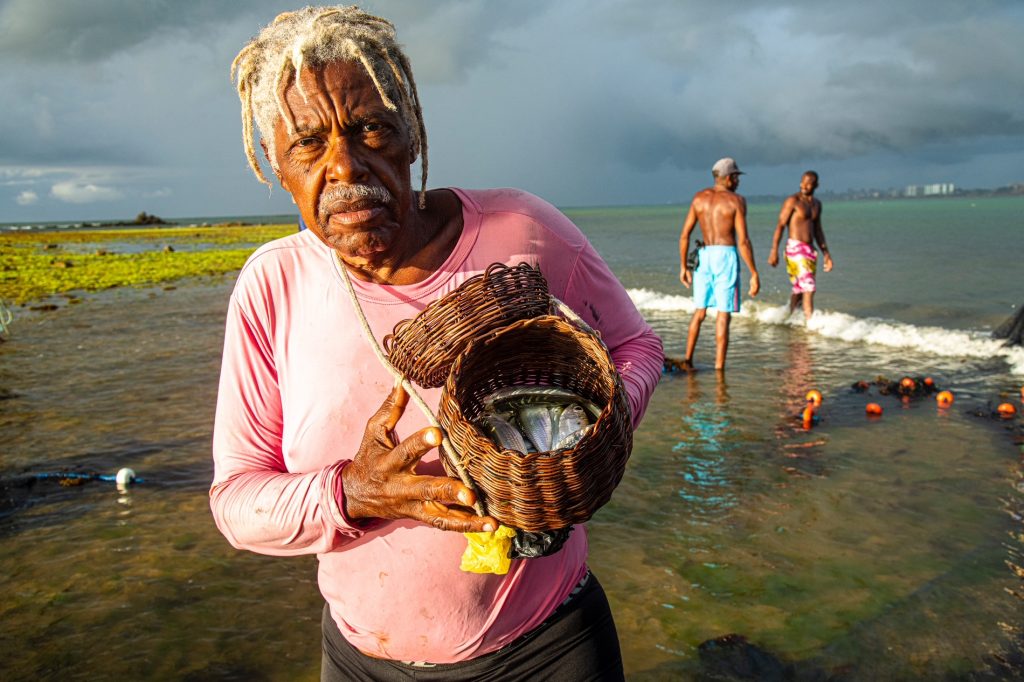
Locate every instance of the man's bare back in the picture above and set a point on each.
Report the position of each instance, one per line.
(716, 210)
(722, 216)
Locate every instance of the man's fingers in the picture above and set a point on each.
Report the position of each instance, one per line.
(392, 409)
(406, 454)
(458, 520)
(447, 491)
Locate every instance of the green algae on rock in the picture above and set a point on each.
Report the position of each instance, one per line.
(34, 265)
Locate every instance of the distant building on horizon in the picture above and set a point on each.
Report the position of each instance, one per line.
(938, 189)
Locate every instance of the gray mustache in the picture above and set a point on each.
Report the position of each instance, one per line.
(338, 197)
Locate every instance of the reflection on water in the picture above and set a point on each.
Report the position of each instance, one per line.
(872, 550)
(704, 450)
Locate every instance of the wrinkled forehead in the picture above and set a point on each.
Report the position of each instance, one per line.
(338, 82)
(341, 74)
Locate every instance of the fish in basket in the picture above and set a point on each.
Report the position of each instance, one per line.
(537, 416)
(534, 412)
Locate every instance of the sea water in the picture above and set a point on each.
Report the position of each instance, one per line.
(869, 548)
(872, 547)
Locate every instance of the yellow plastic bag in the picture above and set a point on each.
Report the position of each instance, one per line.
(487, 552)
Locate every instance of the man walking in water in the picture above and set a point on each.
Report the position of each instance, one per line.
(801, 213)
(722, 215)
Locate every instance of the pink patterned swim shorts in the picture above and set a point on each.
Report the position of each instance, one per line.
(801, 264)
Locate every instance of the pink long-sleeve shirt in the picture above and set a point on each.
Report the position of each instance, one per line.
(298, 383)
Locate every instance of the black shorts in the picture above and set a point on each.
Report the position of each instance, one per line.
(577, 642)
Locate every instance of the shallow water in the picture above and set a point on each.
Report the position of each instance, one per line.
(874, 549)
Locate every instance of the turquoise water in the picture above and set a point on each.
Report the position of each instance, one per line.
(872, 549)
(948, 262)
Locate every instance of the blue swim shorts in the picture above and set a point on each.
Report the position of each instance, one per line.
(716, 282)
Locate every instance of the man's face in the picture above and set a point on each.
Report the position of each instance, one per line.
(733, 181)
(808, 183)
(347, 163)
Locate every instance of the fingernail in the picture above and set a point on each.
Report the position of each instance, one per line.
(488, 527)
(433, 437)
(464, 497)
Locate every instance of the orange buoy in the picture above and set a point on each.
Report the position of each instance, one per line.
(1006, 410)
(873, 409)
(944, 398)
(908, 384)
(814, 397)
(929, 382)
(808, 417)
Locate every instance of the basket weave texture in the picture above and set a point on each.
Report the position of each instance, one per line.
(544, 490)
(424, 348)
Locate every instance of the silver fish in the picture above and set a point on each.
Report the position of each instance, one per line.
(502, 433)
(572, 419)
(520, 395)
(536, 423)
(530, 394)
(572, 439)
(556, 412)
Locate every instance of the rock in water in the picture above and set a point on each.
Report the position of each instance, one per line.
(1012, 330)
(732, 657)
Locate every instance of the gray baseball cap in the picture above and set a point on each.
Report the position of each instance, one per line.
(724, 167)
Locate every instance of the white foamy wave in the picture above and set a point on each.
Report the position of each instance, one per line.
(645, 299)
(934, 340)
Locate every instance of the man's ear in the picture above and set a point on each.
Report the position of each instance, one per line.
(277, 173)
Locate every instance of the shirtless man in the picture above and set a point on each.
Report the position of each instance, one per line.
(801, 213)
(722, 215)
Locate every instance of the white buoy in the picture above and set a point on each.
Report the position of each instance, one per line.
(125, 477)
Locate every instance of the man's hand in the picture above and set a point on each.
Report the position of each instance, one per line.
(685, 276)
(773, 258)
(755, 284)
(828, 262)
(381, 482)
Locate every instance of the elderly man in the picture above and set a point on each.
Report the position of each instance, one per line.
(313, 449)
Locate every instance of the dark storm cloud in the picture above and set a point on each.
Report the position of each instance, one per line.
(458, 33)
(59, 31)
(451, 38)
(583, 101)
(139, 89)
(783, 81)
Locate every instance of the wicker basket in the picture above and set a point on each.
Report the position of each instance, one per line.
(424, 348)
(544, 490)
